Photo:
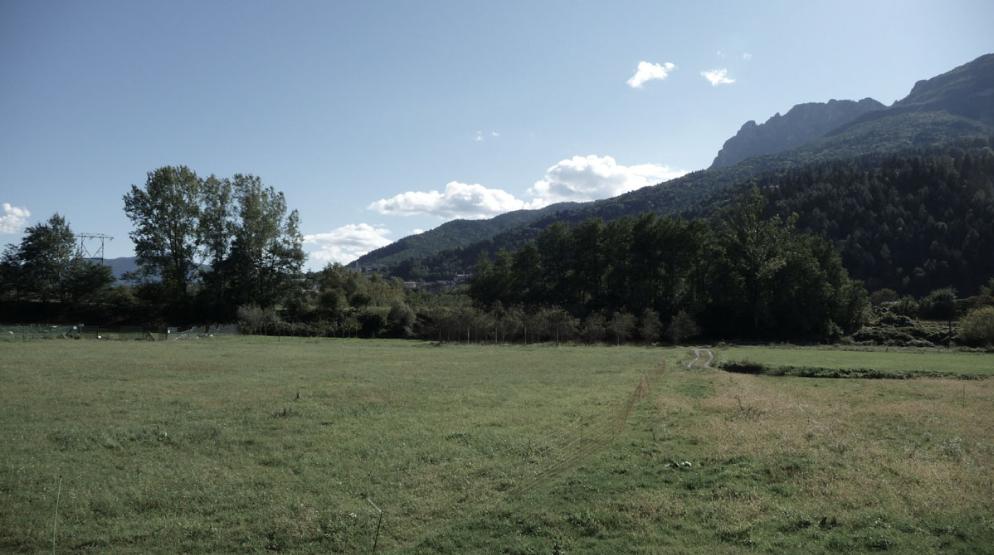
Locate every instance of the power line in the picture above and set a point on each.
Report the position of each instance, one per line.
(91, 246)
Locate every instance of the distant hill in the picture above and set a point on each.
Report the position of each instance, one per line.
(120, 266)
(951, 107)
(800, 125)
(453, 234)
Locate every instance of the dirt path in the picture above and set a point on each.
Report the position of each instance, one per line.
(702, 358)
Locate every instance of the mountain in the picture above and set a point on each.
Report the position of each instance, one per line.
(951, 107)
(453, 234)
(966, 91)
(801, 124)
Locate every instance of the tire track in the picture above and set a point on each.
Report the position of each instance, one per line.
(575, 453)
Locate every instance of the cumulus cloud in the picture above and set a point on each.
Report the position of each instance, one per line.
(13, 218)
(458, 200)
(576, 179)
(584, 178)
(717, 77)
(647, 71)
(346, 243)
(746, 56)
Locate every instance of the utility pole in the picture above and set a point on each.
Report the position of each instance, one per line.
(86, 241)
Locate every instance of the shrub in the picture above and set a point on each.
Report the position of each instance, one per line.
(372, 322)
(939, 305)
(977, 327)
(907, 306)
(401, 319)
(253, 319)
(882, 296)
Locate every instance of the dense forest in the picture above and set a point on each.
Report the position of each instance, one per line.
(912, 222)
(742, 275)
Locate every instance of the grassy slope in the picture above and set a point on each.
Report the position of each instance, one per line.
(201, 446)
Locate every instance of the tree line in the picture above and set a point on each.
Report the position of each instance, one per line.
(205, 246)
(739, 275)
(45, 276)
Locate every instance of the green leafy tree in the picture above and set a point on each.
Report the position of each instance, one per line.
(166, 213)
(682, 327)
(620, 326)
(650, 327)
(594, 328)
(266, 252)
(42, 263)
(215, 229)
(401, 319)
(86, 281)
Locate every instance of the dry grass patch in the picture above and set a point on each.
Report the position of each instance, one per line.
(845, 464)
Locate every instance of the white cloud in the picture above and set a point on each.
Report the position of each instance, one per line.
(417, 231)
(346, 243)
(717, 77)
(494, 134)
(746, 56)
(459, 200)
(648, 71)
(13, 218)
(584, 178)
(576, 179)
(478, 138)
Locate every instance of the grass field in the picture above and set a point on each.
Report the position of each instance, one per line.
(204, 446)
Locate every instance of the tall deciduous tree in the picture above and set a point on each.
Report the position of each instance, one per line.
(166, 213)
(266, 253)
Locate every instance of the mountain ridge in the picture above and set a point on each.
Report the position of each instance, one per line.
(936, 111)
(800, 125)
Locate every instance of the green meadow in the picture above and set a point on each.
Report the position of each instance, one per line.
(252, 444)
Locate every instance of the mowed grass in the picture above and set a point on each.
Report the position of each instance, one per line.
(203, 446)
(890, 360)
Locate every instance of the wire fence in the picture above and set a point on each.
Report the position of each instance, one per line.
(33, 332)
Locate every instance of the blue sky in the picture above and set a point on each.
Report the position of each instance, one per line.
(381, 118)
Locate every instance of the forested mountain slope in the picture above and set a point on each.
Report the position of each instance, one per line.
(947, 109)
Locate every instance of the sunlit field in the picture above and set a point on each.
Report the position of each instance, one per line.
(254, 444)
